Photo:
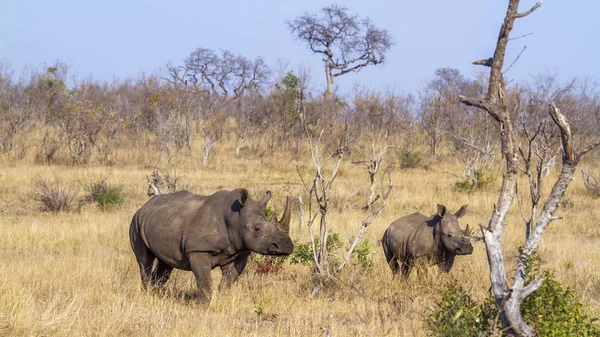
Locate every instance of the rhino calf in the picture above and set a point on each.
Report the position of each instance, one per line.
(187, 231)
(437, 237)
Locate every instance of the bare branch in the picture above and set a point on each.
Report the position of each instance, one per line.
(530, 288)
(520, 37)
(516, 59)
(482, 104)
(588, 148)
(565, 133)
(524, 14)
(372, 216)
(485, 62)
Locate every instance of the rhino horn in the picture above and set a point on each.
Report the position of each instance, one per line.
(284, 223)
(467, 232)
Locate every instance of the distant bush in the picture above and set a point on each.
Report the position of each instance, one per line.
(550, 311)
(410, 160)
(107, 197)
(54, 196)
(479, 181)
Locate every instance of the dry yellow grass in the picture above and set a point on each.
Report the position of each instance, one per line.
(74, 274)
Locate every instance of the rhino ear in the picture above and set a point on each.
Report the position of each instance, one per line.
(462, 211)
(263, 202)
(243, 196)
(441, 210)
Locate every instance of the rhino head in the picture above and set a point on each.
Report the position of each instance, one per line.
(267, 237)
(453, 238)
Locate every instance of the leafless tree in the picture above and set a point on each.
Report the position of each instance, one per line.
(224, 74)
(13, 114)
(85, 115)
(318, 205)
(347, 42)
(508, 299)
(377, 155)
(432, 122)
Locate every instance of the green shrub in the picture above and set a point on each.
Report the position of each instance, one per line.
(465, 185)
(364, 255)
(270, 212)
(456, 314)
(303, 252)
(480, 180)
(107, 197)
(410, 160)
(363, 252)
(550, 310)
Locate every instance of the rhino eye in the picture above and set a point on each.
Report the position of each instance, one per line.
(449, 235)
(256, 228)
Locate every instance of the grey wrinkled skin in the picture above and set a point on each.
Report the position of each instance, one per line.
(187, 231)
(437, 237)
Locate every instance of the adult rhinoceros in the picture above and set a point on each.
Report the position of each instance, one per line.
(194, 232)
(438, 237)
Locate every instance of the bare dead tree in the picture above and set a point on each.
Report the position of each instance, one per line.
(224, 74)
(441, 115)
(372, 165)
(384, 193)
(13, 116)
(346, 42)
(212, 129)
(508, 299)
(476, 152)
(319, 190)
(318, 206)
(432, 124)
(540, 142)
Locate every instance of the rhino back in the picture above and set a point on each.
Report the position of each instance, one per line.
(410, 236)
(164, 221)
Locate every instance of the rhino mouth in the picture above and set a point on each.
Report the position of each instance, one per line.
(281, 248)
(463, 250)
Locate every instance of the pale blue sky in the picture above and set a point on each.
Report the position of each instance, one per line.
(122, 38)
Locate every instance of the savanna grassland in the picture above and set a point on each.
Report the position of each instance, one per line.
(72, 273)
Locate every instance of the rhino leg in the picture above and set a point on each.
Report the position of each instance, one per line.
(200, 263)
(394, 264)
(232, 271)
(144, 256)
(400, 265)
(406, 267)
(161, 273)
